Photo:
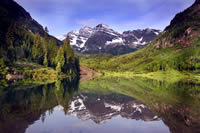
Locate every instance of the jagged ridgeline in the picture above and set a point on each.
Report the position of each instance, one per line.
(22, 38)
(177, 47)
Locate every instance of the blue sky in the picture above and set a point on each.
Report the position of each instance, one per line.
(62, 16)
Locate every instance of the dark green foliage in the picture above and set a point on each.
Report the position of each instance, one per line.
(60, 59)
(3, 68)
(37, 49)
(10, 35)
(58, 69)
(52, 52)
(32, 101)
(27, 46)
(24, 39)
(69, 64)
(45, 60)
(120, 50)
(69, 52)
(178, 47)
(148, 60)
(187, 19)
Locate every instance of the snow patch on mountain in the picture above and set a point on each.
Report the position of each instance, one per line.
(114, 107)
(140, 42)
(102, 38)
(157, 33)
(114, 41)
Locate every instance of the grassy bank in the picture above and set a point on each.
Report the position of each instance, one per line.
(104, 64)
(35, 71)
(169, 75)
(171, 63)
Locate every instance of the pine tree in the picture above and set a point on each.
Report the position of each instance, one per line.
(45, 52)
(10, 35)
(69, 52)
(46, 34)
(27, 46)
(46, 29)
(45, 47)
(45, 61)
(58, 69)
(52, 52)
(11, 53)
(37, 49)
(60, 58)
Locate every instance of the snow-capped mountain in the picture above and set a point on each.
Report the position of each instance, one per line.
(139, 37)
(78, 38)
(101, 108)
(103, 39)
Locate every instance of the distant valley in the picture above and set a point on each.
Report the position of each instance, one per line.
(173, 52)
(96, 79)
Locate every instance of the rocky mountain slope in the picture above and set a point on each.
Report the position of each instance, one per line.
(183, 30)
(177, 47)
(103, 39)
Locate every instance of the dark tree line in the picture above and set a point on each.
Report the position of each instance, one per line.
(23, 45)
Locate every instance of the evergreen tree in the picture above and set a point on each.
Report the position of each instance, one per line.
(46, 52)
(37, 49)
(45, 61)
(46, 29)
(69, 52)
(11, 53)
(45, 47)
(27, 46)
(77, 66)
(52, 52)
(60, 58)
(10, 35)
(58, 68)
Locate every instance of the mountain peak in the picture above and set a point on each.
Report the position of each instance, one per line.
(102, 26)
(87, 27)
(103, 39)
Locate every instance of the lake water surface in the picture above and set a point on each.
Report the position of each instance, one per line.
(101, 105)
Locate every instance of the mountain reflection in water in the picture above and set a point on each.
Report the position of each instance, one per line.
(100, 105)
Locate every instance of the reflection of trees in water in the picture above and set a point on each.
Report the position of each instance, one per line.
(177, 104)
(22, 106)
(64, 92)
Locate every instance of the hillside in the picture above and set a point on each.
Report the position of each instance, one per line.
(176, 48)
(23, 39)
(11, 14)
(18, 28)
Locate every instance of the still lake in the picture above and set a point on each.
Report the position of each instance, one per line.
(101, 105)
